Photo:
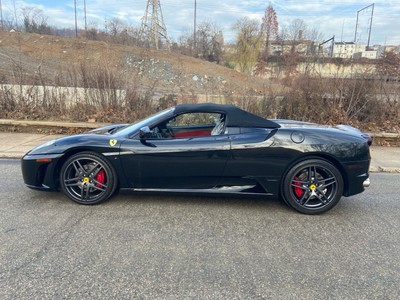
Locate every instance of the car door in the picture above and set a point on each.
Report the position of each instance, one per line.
(253, 161)
(251, 153)
(183, 162)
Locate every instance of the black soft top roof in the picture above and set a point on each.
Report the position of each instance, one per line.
(236, 117)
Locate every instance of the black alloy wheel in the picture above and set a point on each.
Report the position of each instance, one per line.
(88, 178)
(312, 186)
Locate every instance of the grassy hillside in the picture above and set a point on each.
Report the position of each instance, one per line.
(52, 60)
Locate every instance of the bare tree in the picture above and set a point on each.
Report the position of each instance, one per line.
(35, 21)
(121, 33)
(132, 33)
(185, 43)
(114, 26)
(298, 45)
(269, 27)
(248, 43)
(388, 65)
(209, 42)
(217, 43)
(203, 39)
(296, 31)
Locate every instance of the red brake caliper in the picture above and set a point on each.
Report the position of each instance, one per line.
(101, 177)
(298, 191)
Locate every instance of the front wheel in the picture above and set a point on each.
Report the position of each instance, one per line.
(312, 186)
(88, 178)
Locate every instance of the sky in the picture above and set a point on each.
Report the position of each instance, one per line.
(328, 17)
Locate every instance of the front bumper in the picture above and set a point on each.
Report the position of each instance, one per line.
(357, 174)
(40, 171)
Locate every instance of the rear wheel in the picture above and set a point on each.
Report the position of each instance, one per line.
(312, 186)
(88, 178)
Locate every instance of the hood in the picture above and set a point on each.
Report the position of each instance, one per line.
(60, 145)
(110, 129)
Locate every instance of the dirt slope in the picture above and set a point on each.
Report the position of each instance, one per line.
(41, 59)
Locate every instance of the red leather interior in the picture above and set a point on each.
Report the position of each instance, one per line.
(192, 133)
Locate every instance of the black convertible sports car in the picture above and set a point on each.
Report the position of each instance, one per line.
(207, 148)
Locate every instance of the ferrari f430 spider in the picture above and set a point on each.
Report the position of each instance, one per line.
(207, 148)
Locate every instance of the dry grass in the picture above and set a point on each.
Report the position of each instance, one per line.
(53, 55)
(113, 92)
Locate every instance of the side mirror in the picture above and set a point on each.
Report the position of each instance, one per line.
(145, 133)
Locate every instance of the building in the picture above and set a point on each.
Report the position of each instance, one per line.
(395, 49)
(346, 49)
(301, 47)
(369, 54)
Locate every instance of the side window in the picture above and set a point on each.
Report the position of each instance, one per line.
(195, 119)
(190, 125)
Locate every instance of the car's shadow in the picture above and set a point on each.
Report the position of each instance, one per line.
(197, 198)
(129, 199)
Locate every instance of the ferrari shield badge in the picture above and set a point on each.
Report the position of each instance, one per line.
(113, 142)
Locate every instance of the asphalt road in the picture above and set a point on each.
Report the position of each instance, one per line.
(139, 246)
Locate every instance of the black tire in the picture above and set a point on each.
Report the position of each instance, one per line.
(312, 186)
(88, 178)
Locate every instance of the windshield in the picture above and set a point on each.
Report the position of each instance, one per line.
(145, 122)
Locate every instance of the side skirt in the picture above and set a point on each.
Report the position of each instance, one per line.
(243, 190)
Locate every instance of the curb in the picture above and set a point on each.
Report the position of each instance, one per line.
(9, 156)
(384, 170)
(385, 139)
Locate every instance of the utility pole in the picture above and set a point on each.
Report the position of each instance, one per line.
(76, 21)
(1, 17)
(195, 25)
(153, 29)
(84, 11)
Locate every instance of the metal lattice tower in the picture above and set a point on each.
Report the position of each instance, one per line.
(153, 31)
